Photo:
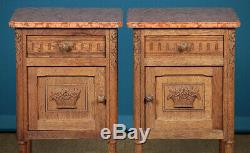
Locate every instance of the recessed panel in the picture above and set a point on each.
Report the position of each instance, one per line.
(65, 97)
(183, 97)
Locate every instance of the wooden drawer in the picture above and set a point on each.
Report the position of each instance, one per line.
(67, 43)
(182, 42)
(168, 45)
(180, 99)
(66, 98)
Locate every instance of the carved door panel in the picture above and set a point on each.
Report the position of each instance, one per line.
(66, 98)
(183, 98)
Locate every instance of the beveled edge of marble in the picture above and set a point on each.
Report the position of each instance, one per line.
(234, 22)
(183, 24)
(49, 17)
(15, 24)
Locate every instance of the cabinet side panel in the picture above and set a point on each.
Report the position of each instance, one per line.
(19, 85)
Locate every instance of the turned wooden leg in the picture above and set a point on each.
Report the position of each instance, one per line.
(112, 146)
(226, 146)
(24, 147)
(138, 148)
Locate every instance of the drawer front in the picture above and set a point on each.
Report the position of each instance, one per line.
(67, 44)
(66, 98)
(169, 45)
(183, 98)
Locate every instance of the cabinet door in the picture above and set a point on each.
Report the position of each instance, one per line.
(183, 98)
(66, 98)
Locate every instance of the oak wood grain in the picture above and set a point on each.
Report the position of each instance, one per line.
(58, 92)
(160, 70)
(196, 82)
(137, 84)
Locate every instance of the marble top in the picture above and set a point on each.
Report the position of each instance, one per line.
(182, 18)
(66, 18)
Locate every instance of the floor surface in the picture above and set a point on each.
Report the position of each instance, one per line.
(8, 144)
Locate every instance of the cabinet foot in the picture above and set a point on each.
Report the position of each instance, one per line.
(138, 148)
(112, 146)
(226, 146)
(24, 147)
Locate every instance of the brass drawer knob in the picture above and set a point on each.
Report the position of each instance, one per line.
(65, 47)
(148, 99)
(101, 99)
(184, 46)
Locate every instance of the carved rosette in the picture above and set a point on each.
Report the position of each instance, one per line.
(66, 98)
(113, 49)
(183, 97)
(18, 47)
(137, 48)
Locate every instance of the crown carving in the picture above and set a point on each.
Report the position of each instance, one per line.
(66, 98)
(183, 97)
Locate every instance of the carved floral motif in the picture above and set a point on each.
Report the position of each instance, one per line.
(114, 36)
(113, 49)
(114, 60)
(231, 47)
(18, 47)
(66, 98)
(137, 41)
(183, 97)
(137, 48)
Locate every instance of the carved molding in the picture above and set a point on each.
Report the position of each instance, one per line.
(183, 97)
(66, 98)
(137, 61)
(231, 47)
(113, 60)
(137, 49)
(113, 49)
(137, 41)
(18, 36)
(113, 36)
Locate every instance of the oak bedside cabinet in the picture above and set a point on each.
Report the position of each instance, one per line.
(66, 65)
(184, 73)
